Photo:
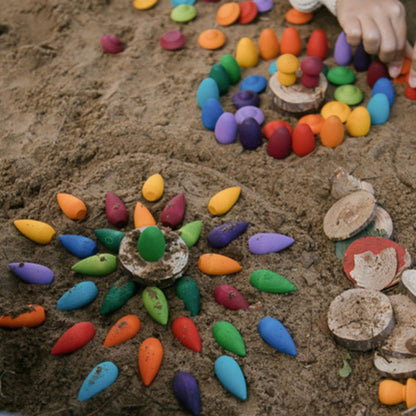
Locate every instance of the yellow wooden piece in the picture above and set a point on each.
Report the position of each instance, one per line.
(223, 201)
(72, 206)
(144, 4)
(336, 108)
(37, 231)
(287, 65)
(246, 53)
(358, 122)
(286, 79)
(152, 189)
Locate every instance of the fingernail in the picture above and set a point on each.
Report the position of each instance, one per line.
(412, 81)
(394, 70)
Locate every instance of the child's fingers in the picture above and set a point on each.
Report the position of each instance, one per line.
(352, 28)
(412, 73)
(371, 35)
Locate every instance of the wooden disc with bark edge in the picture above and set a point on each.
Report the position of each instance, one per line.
(361, 319)
(349, 215)
(409, 283)
(375, 245)
(394, 367)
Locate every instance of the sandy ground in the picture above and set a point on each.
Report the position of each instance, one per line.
(74, 119)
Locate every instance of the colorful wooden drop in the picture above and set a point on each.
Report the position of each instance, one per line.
(248, 12)
(250, 135)
(211, 39)
(231, 376)
(78, 296)
(111, 44)
(358, 122)
(220, 76)
(74, 338)
(229, 338)
(188, 291)
(332, 132)
(226, 128)
(249, 111)
(73, 207)
(362, 59)
(150, 359)
(109, 238)
(208, 88)
(271, 126)
(210, 113)
(123, 330)
(317, 44)
(102, 376)
(392, 392)
(186, 390)
(174, 211)
(97, 265)
(303, 140)
(224, 234)
(216, 264)
(268, 281)
(276, 335)
(32, 316)
(268, 44)
(117, 296)
(242, 98)
(153, 188)
(311, 67)
(379, 108)
(38, 231)
(142, 216)
(287, 65)
(314, 121)
(264, 243)
(231, 66)
(336, 108)
(187, 333)
(151, 243)
(385, 86)
(280, 143)
(376, 70)
(79, 245)
(296, 17)
(230, 297)
(32, 273)
(290, 42)
(156, 305)
(246, 53)
(342, 50)
(191, 232)
(116, 211)
(224, 200)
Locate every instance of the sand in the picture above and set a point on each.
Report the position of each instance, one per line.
(75, 119)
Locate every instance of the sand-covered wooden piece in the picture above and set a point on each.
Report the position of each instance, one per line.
(349, 215)
(409, 283)
(395, 367)
(402, 340)
(361, 319)
(297, 98)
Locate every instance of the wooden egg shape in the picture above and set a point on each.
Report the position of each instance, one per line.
(208, 88)
(79, 245)
(78, 296)
(385, 86)
(150, 359)
(186, 390)
(280, 143)
(153, 188)
(250, 134)
(187, 333)
(229, 338)
(142, 216)
(156, 305)
(358, 122)
(229, 297)
(248, 12)
(268, 44)
(317, 44)
(210, 113)
(30, 316)
(268, 281)
(109, 238)
(123, 330)
(224, 234)
(276, 335)
(336, 108)
(314, 121)
(332, 132)
(97, 265)
(231, 66)
(220, 76)
(271, 126)
(151, 243)
(246, 53)
(375, 71)
(216, 264)
(32, 273)
(117, 296)
(73, 207)
(224, 200)
(38, 231)
(264, 243)
(342, 50)
(191, 232)
(226, 128)
(231, 376)
(111, 44)
(174, 211)
(303, 140)
(290, 42)
(102, 376)
(116, 211)
(74, 338)
(392, 392)
(379, 108)
(362, 59)
(254, 83)
(187, 290)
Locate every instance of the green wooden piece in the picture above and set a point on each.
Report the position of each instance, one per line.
(109, 238)
(229, 338)
(97, 265)
(268, 281)
(118, 294)
(231, 66)
(151, 243)
(156, 305)
(188, 291)
(191, 232)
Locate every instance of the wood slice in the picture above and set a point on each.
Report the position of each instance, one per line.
(409, 283)
(342, 183)
(361, 319)
(297, 98)
(395, 367)
(402, 340)
(349, 215)
(161, 273)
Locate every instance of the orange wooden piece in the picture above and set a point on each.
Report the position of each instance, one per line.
(290, 42)
(268, 44)
(332, 132)
(150, 359)
(296, 17)
(271, 126)
(217, 264)
(72, 206)
(392, 392)
(142, 216)
(228, 13)
(314, 121)
(35, 317)
(124, 329)
(211, 39)
(403, 77)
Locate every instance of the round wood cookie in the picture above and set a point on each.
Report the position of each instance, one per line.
(349, 215)
(375, 245)
(395, 367)
(409, 282)
(361, 319)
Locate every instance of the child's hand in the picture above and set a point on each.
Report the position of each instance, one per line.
(380, 25)
(411, 54)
